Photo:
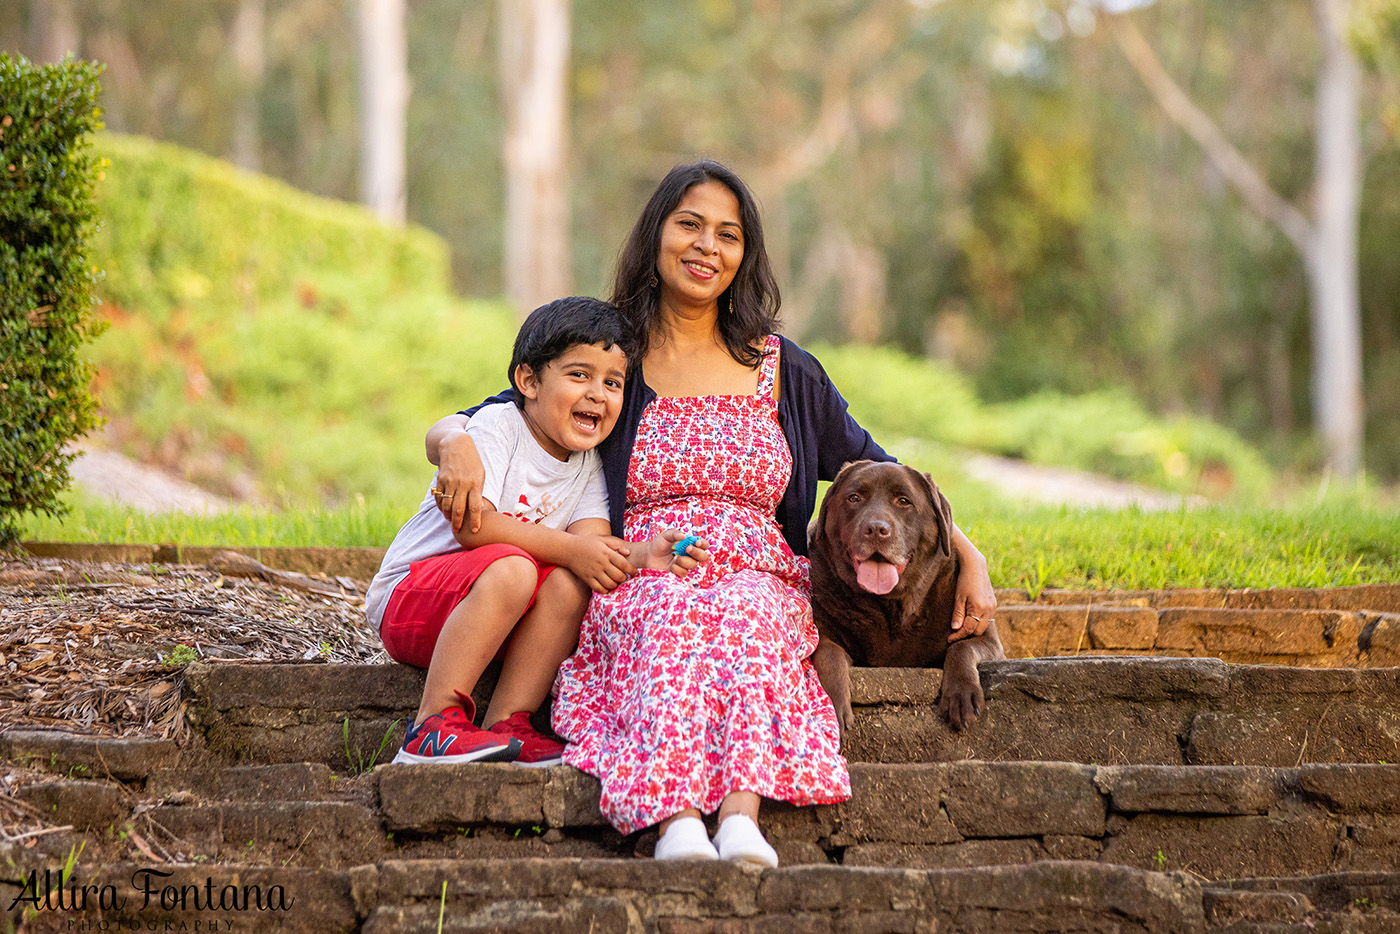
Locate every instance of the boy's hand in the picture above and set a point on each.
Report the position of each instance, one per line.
(600, 561)
(660, 553)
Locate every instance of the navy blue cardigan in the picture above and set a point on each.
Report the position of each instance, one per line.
(820, 433)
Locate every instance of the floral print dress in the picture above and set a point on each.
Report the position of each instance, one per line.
(683, 690)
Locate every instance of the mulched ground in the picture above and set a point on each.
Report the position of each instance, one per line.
(100, 649)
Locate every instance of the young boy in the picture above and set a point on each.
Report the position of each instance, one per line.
(520, 584)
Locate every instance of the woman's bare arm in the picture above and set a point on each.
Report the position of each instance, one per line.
(975, 604)
(460, 475)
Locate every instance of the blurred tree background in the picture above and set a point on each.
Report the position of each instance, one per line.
(985, 182)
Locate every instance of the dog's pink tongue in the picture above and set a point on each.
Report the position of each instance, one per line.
(877, 576)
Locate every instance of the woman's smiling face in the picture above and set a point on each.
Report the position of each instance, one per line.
(702, 245)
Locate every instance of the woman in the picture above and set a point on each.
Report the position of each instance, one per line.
(686, 697)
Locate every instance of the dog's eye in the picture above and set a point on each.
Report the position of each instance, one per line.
(853, 498)
(903, 501)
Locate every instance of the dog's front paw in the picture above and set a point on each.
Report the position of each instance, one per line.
(961, 701)
(845, 718)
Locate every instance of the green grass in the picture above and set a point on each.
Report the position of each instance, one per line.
(355, 524)
(1213, 547)
(1336, 543)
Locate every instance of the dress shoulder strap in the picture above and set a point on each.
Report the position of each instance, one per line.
(768, 369)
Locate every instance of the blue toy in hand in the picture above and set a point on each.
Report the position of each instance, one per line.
(680, 546)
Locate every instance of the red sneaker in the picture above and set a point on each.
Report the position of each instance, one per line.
(536, 749)
(451, 736)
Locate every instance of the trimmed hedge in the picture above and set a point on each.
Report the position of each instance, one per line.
(47, 175)
(182, 227)
(272, 344)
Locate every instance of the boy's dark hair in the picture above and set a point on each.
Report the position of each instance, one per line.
(553, 328)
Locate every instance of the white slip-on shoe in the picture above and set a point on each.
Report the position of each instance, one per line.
(740, 841)
(685, 838)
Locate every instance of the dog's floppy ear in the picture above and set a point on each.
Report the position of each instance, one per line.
(943, 510)
(818, 533)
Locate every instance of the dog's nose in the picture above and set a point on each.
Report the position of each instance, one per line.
(877, 528)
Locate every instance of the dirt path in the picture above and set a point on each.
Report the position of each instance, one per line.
(104, 474)
(1018, 480)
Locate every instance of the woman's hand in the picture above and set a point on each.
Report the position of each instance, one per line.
(460, 475)
(974, 602)
(659, 554)
(600, 561)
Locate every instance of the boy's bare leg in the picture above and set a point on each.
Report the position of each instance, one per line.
(546, 636)
(474, 631)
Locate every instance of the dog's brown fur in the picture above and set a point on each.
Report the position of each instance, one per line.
(896, 512)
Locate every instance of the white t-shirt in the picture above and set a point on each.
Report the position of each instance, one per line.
(522, 480)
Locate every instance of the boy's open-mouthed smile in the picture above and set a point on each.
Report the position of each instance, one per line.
(573, 402)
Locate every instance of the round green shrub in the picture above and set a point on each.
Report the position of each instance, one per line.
(47, 174)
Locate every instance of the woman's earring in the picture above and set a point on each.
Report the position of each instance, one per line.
(651, 283)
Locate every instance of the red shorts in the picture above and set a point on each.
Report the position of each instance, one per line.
(421, 603)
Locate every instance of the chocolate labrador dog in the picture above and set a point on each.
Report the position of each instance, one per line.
(884, 577)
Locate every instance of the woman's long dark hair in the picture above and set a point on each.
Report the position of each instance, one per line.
(748, 308)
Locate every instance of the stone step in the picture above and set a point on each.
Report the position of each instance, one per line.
(1374, 598)
(309, 833)
(1106, 710)
(1349, 901)
(291, 781)
(86, 756)
(87, 803)
(1218, 822)
(346, 716)
(681, 899)
(1308, 638)
(1114, 710)
(357, 563)
(563, 896)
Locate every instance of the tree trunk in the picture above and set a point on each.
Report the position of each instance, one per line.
(122, 80)
(247, 42)
(1327, 241)
(384, 92)
(863, 292)
(1332, 250)
(534, 43)
(56, 30)
(861, 276)
(1278, 377)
